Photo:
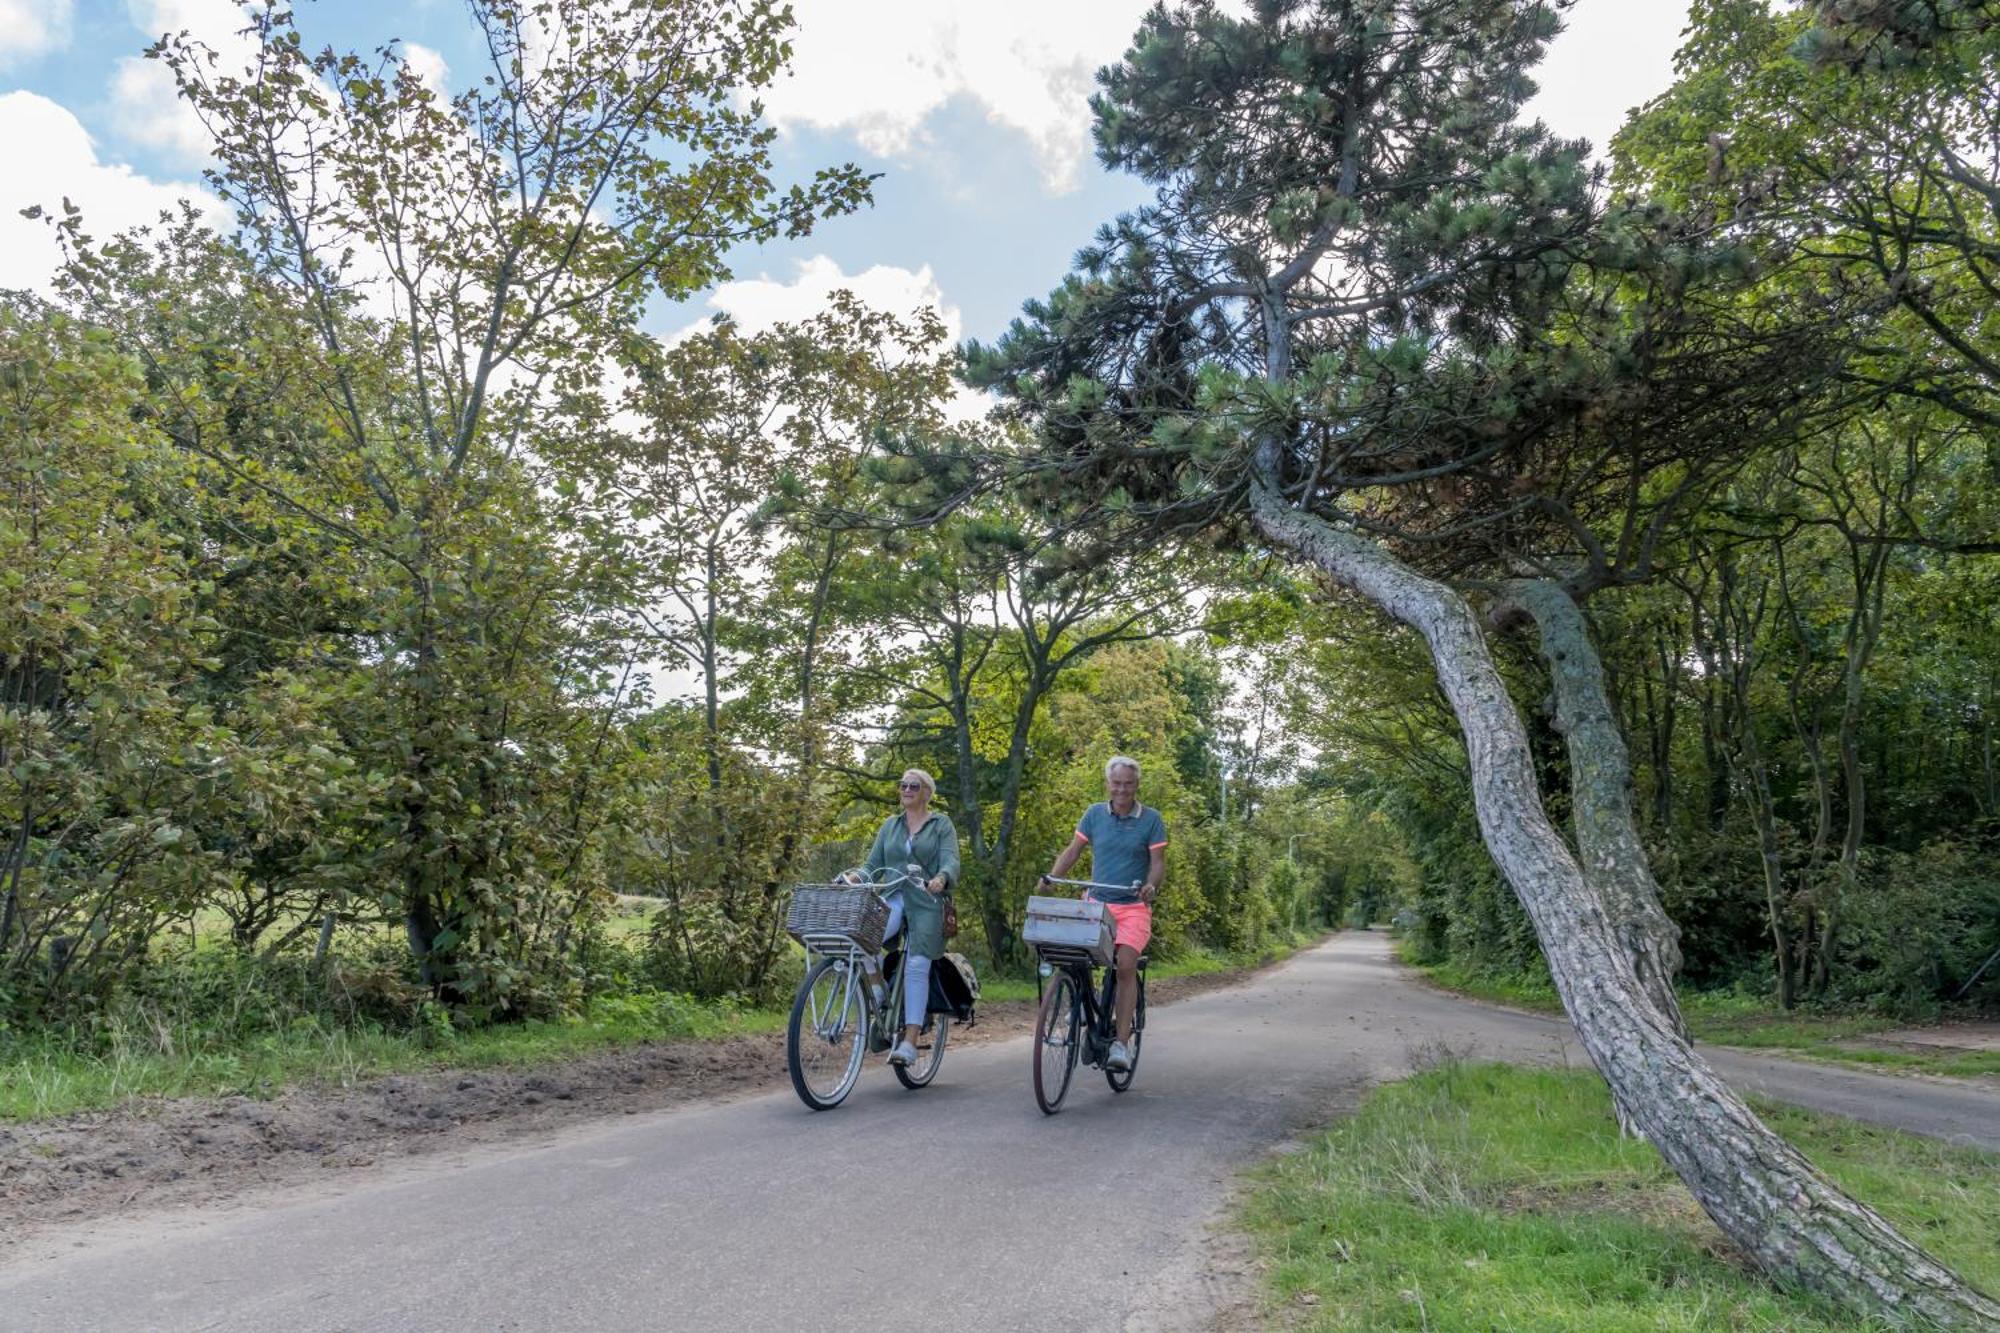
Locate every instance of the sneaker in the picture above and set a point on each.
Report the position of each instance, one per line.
(1120, 1059)
(904, 1054)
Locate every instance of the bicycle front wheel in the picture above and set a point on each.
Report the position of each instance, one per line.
(826, 1038)
(1121, 1080)
(1056, 1042)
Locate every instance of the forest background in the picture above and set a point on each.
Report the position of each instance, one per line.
(381, 612)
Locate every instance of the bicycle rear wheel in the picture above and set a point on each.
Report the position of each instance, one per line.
(1056, 1042)
(1121, 1080)
(824, 1042)
(919, 1072)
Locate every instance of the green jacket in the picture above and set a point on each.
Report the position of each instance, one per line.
(935, 848)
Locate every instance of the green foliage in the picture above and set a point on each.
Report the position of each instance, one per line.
(393, 639)
(716, 855)
(307, 621)
(106, 767)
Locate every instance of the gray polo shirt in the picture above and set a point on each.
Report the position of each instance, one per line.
(1121, 847)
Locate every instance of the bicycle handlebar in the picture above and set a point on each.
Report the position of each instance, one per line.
(1091, 883)
(893, 880)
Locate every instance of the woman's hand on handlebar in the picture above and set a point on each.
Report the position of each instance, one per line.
(936, 885)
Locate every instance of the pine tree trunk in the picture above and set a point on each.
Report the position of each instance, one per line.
(1759, 1190)
(1600, 774)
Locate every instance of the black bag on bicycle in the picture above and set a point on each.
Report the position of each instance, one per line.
(954, 988)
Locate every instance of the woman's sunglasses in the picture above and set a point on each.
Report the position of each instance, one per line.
(911, 786)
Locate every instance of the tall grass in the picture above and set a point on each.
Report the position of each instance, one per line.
(214, 1022)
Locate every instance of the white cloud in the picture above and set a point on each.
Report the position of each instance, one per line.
(145, 107)
(30, 28)
(50, 158)
(429, 66)
(759, 304)
(880, 68)
(1613, 55)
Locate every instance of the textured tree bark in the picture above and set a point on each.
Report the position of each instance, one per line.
(1600, 774)
(1759, 1190)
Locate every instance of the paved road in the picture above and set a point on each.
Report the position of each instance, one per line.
(957, 1207)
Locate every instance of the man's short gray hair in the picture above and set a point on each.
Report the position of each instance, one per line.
(1118, 761)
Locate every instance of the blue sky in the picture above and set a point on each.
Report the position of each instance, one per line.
(973, 113)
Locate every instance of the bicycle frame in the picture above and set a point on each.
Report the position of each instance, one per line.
(1096, 1002)
(1095, 1008)
(885, 1021)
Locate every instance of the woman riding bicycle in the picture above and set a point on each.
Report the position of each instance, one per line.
(918, 835)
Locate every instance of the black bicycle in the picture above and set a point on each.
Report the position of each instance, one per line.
(1077, 1021)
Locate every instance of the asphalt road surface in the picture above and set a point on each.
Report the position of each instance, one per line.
(957, 1207)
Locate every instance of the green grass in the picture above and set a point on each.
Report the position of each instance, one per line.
(1729, 1018)
(45, 1078)
(1489, 1197)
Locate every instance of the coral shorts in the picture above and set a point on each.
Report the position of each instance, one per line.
(1131, 924)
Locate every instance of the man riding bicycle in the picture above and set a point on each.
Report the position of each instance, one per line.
(1128, 846)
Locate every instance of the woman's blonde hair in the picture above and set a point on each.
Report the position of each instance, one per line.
(930, 783)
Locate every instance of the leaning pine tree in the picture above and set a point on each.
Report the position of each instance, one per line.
(1375, 324)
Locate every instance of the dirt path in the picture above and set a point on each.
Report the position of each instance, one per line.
(192, 1151)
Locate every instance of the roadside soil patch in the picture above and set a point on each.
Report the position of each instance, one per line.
(182, 1152)
(1946, 1037)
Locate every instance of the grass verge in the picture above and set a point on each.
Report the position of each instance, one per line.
(190, 1051)
(1727, 1018)
(1493, 1197)
(39, 1079)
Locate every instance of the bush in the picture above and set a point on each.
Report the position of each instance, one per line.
(1919, 926)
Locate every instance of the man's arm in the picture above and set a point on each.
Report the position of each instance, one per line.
(1067, 857)
(1156, 871)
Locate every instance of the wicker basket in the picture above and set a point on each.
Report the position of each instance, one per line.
(852, 911)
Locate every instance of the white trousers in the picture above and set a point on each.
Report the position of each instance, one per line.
(916, 971)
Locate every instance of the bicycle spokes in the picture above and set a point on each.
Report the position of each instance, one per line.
(823, 1045)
